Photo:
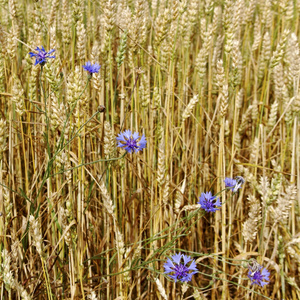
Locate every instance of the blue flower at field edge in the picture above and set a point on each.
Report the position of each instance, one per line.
(181, 271)
(92, 68)
(209, 202)
(257, 274)
(131, 141)
(41, 55)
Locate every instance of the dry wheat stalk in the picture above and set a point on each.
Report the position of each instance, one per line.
(92, 296)
(3, 137)
(36, 235)
(224, 100)
(161, 27)
(109, 140)
(65, 23)
(63, 215)
(81, 42)
(53, 12)
(161, 288)
(284, 203)
(245, 120)
(8, 278)
(189, 108)
(161, 167)
(18, 93)
(107, 202)
(280, 49)
(250, 226)
(273, 115)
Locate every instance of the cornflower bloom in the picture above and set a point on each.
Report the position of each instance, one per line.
(230, 183)
(41, 56)
(180, 271)
(257, 274)
(209, 202)
(131, 141)
(234, 184)
(92, 68)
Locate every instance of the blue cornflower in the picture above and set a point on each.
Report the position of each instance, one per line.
(41, 56)
(181, 271)
(209, 202)
(234, 184)
(230, 183)
(257, 274)
(131, 141)
(92, 68)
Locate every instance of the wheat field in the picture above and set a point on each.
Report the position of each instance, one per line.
(212, 85)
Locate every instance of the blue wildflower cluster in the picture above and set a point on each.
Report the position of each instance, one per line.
(174, 268)
(180, 267)
(131, 142)
(42, 55)
(211, 203)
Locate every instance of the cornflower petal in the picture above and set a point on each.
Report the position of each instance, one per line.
(193, 266)
(186, 259)
(168, 266)
(135, 135)
(265, 273)
(127, 134)
(174, 277)
(176, 258)
(143, 141)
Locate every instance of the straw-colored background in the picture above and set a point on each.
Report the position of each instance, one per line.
(213, 85)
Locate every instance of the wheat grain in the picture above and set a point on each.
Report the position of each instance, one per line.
(284, 202)
(280, 50)
(161, 288)
(65, 23)
(224, 101)
(245, 120)
(36, 235)
(3, 137)
(7, 275)
(92, 296)
(107, 202)
(189, 108)
(273, 115)
(161, 27)
(109, 140)
(18, 93)
(250, 226)
(81, 42)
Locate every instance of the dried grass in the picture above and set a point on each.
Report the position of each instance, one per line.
(214, 86)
